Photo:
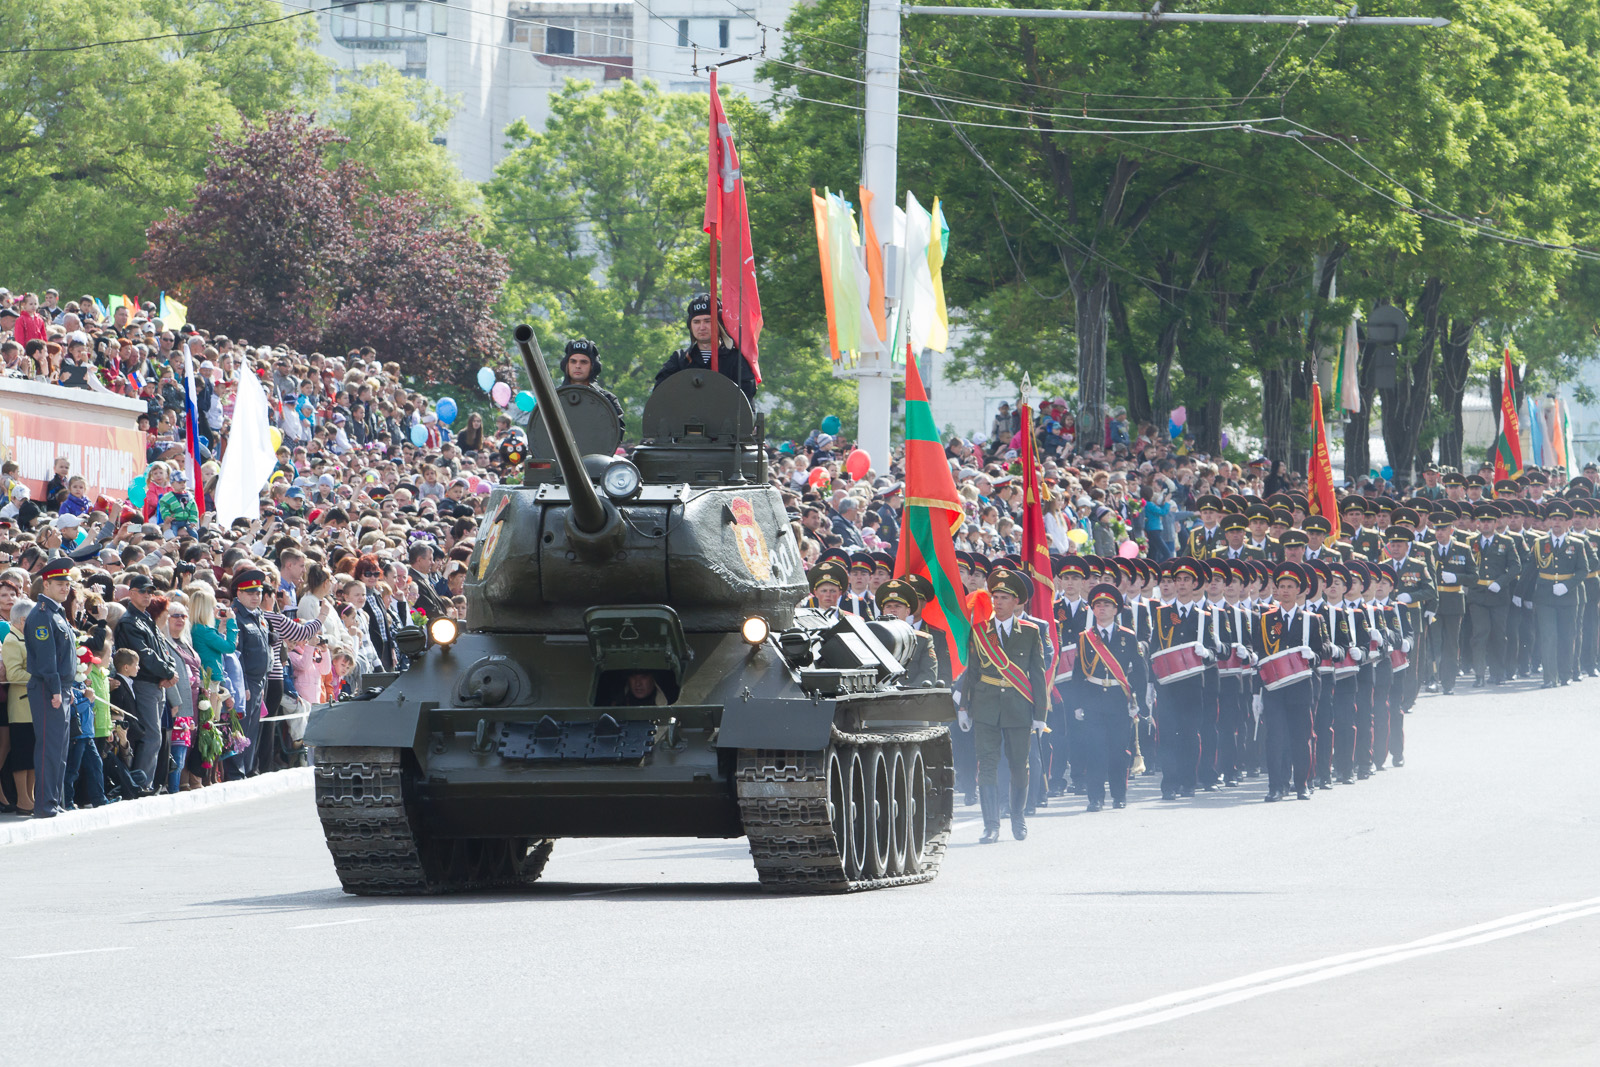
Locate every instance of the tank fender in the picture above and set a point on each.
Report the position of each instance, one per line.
(777, 722)
(373, 723)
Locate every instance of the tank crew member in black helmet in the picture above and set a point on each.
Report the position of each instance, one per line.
(580, 365)
(704, 346)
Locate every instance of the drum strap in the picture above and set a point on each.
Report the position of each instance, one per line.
(1110, 661)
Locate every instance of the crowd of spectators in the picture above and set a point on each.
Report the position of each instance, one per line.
(202, 648)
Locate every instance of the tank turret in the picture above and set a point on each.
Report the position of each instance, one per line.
(632, 662)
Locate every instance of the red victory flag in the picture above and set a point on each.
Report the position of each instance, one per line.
(1508, 445)
(1035, 545)
(728, 222)
(931, 514)
(1322, 499)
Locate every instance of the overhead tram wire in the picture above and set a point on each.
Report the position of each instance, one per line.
(156, 36)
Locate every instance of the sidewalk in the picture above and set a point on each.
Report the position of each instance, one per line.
(16, 831)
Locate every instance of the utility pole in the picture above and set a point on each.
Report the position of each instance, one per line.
(880, 144)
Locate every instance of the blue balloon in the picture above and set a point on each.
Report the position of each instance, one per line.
(447, 410)
(136, 492)
(419, 435)
(830, 425)
(526, 401)
(485, 379)
(1388, 472)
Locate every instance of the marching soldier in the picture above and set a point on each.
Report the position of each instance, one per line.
(1583, 512)
(857, 599)
(1456, 568)
(1004, 698)
(1363, 541)
(1073, 614)
(828, 581)
(1489, 596)
(1560, 563)
(1285, 713)
(1260, 545)
(1235, 531)
(1179, 702)
(1204, 540)
(1414, 592)
(1103, 692)
(52, 666)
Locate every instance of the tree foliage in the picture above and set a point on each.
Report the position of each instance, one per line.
(284, 247)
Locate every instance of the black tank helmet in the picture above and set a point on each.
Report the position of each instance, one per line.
(588, 348)
(700, 304)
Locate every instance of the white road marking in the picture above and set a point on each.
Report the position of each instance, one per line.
(1028, 1040)
(70, 952)
(340, 922)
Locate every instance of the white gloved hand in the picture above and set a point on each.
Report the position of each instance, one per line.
(1516, 601)
(1430, 615)
(1405, 644)
(1206, 654)
(1150, 694)
(1038, 726)
(1403, 598)
(1356, 654)
(1077, 713)
(963, 719)
(1133, 712)
(1559, 589)
(1448, 576)
(1338, 652)
(1255, 705)
(1494, 587)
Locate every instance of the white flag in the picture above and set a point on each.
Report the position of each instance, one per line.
(248, 461)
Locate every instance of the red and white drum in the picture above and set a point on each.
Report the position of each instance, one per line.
(1285, 668)
(1177, 663)
(1065, 663)
(1398, 660)
(1235, 664)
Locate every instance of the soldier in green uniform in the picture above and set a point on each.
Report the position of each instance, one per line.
(828, 581)
(1004, 699)
(1259, 545)
(898, 600)
(1204, 540)
(1457, 571)
(1583, 521)
(1489, 596)
(1235, 531)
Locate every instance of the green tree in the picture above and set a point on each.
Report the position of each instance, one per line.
(96, 141)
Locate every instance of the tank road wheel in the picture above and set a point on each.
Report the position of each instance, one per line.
(879, 811)
(528, 857)
(899, 810)
(856, 817)
(871, 810)
(916, 809)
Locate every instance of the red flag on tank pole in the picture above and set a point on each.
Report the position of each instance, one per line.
(728, 222)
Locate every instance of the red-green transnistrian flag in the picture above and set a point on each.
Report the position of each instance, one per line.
(1508, 446)
(1035, 544)
(931, 514)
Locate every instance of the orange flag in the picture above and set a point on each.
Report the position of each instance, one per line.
(874, 252)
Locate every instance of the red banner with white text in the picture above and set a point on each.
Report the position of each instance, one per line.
(108, 457)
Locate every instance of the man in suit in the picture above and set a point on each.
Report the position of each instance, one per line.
(1004, 698)
(429, 602)
(1103, 693)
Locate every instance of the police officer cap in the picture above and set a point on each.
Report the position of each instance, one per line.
(1476, 480)
(59, 568)
(1399, 533)
(1294, 539)
(1105, 591)
(1405, 517)
(1486, 510)
(1453, 479)
(1258, 510)
(1558, 509)
(1280, 500)
(1011, 581)
(825, 572)
(1317, 524)
(1210, 500)
(1583, 507)
(248, 580)
(1234, 522)
(923, 586)
(1282, 516)
(1442, 517)
(897, 591)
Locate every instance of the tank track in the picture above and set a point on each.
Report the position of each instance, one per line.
(378, 849)
(788, 804)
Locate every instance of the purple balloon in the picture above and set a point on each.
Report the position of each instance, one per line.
(1224, 440)
(501, 393)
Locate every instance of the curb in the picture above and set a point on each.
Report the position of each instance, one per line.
(123, 813)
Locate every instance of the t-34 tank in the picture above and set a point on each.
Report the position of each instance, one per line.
(633, 664)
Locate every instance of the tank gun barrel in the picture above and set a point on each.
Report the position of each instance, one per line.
(588, 513)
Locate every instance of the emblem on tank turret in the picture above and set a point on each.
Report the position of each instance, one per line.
(493, 526)
(748, 536)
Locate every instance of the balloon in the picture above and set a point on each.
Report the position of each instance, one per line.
(1388, 472)
(818, 476)
(526, 401)
(136, 492)
(447, 410)
(485, 379)
(501, 393)
(1078, 537)
(277, 437)
(419, 435)
(830, 425)
(1128, 549)
(1179, 415)
(857, 464)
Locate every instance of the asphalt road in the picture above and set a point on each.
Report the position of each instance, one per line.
(1444, 913)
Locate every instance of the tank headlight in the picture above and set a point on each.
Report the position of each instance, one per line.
(443, 631)
(621, 480)
(754, 630)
